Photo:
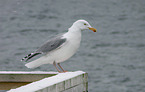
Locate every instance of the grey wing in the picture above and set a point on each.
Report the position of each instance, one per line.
(52, 44)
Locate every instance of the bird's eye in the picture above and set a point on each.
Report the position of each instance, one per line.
(85, 24)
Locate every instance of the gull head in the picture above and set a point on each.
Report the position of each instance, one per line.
(83, 25)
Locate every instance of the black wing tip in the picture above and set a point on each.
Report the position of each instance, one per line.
(29, 56)
(24, 59)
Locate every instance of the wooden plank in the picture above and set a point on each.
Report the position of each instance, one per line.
(14, 79)
(11, 85)
(22, 77)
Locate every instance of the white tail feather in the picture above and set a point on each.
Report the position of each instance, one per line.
(32, 65)
(38, 62)
(35, 63)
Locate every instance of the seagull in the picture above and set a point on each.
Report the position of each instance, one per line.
(59, 48)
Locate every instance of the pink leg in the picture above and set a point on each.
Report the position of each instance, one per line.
(61, 67)
(54, 63)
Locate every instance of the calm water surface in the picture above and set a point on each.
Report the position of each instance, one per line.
(114, 57)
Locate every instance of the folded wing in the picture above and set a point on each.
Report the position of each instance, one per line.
(50, 45)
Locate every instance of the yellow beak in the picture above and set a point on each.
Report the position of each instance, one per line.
(93, 29)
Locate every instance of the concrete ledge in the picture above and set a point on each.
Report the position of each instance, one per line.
(62, 82)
